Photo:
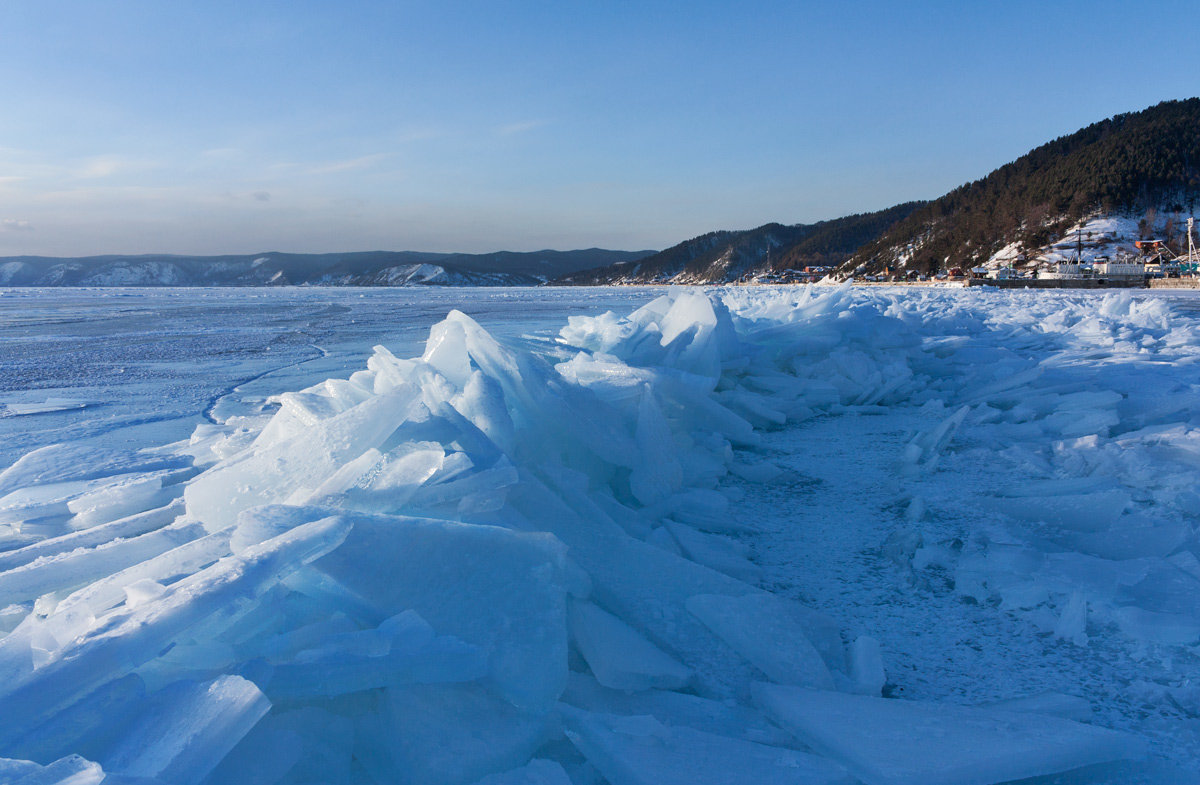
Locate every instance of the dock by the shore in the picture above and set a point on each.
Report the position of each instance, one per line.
(1175, 283)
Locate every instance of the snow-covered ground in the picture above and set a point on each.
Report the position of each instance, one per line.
(805, 535)
(1105, 235)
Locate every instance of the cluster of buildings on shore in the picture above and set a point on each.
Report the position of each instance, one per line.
(1154, 261)
(1063, 266)
(810, 274)
(1067, 266)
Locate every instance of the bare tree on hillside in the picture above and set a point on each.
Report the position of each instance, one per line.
(1146, 225)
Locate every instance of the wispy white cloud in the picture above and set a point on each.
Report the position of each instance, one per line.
(349, 164)
(102, 166)
(411, 135)
(512, 129)
(15, 225)
(223, 153)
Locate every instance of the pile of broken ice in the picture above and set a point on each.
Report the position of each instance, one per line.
(501, 565)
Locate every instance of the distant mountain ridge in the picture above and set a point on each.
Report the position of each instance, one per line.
(368, 268)
(728, 256)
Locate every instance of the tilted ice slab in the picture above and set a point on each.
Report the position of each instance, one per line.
(640, 750)
(898, 742)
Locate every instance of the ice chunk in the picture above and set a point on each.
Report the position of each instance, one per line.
(689, 334)
(661, 537)
(119, 500)
(705, 509)
(925, 449)
(724, 718)
(1085, 512)
(89, 727)
(1130, 540)
(66, 571)
(755, 408)
(1072, 621)
(12, 769)
(692, 405)
(482, 404)
(500, 590)
(75, 614)
(51, 499)
(914, 743)
(263, 756)
(769, 632)
(1156, 627)
(327, 741)
(643, 751)
(259, 524)
(656, 472)
(1069, 707)
(143, 591)
(713, 550)
(134, 636)
(447, 735)
(189, 729)
(756, 471)
(640, 583)
(618, 655)
(866, 666)
(71, 770)
(409, 654)
(446, 350)
(277, 468)
(70, 461)
(97, 535)
(342, 480)
(537, 772)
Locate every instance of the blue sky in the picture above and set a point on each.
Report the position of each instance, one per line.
(236, 127)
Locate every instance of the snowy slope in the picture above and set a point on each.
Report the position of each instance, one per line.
(430, 275)
(743, 536)
(1112, 235)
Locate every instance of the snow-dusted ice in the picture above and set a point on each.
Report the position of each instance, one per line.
(814, 535)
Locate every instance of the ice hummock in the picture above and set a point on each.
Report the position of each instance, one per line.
(505, 562)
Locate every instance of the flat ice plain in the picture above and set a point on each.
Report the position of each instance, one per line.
(798, 535)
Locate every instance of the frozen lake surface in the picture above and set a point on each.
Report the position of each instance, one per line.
(599, 535)
(109, 360)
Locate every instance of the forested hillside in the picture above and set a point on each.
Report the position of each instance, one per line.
(727, 256)
(1131, 163)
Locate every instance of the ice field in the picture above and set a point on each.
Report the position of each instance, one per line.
(624, 536)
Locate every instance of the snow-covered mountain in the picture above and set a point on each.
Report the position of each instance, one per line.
(375, 268)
